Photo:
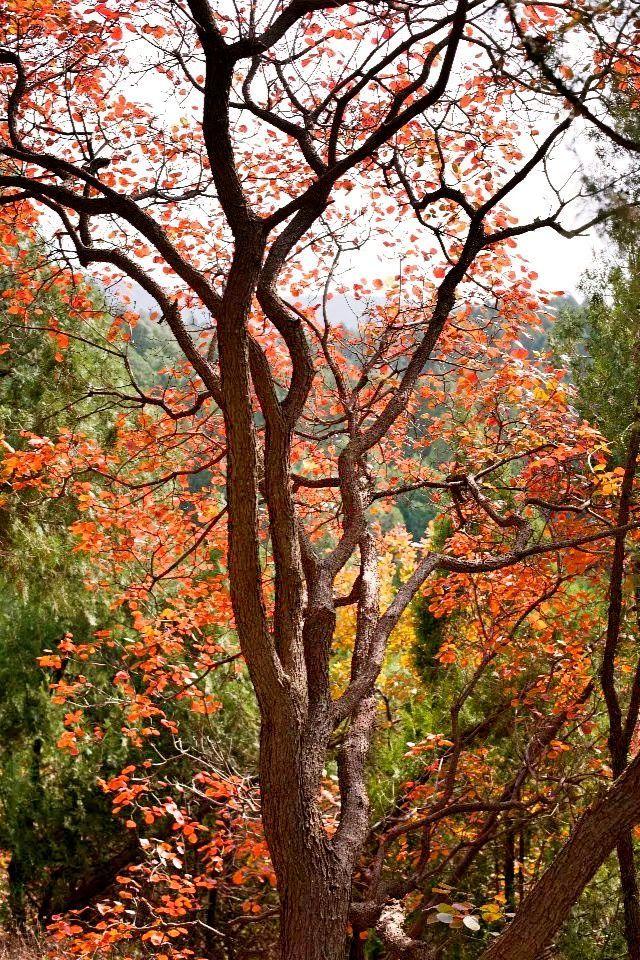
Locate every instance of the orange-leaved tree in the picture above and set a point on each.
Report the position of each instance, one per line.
(315, 195)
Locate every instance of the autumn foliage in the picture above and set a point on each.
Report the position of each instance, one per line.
(315, 201)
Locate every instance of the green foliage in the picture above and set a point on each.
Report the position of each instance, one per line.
(55, 822)
(417, 511)
(43, 389)
(429, 635)
(601, 342)
(596, 928)
(153, 349)
(57, 829)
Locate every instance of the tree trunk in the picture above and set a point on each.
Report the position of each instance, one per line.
(314, 918)
(17, 906)
(522, 853)
(314, 882)
(630, 899)
(621, 728)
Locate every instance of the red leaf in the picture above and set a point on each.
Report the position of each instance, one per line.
(104, 11)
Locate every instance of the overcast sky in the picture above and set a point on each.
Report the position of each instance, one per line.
(560, 263)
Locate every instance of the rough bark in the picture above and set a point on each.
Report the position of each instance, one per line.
(630, 899)
(313, 881)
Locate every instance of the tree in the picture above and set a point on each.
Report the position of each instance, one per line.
(284, 131)
(602, 340)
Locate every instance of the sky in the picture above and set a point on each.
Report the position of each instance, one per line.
(559, 261)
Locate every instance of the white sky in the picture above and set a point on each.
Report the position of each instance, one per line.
(560, 262)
